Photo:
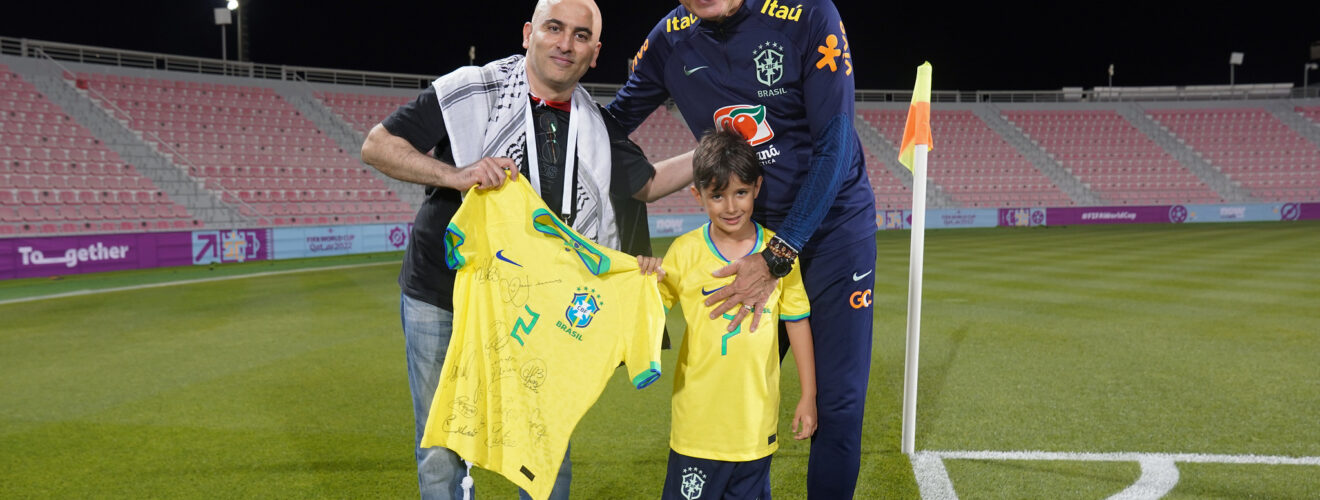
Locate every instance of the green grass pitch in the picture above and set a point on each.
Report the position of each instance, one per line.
(1198, 338)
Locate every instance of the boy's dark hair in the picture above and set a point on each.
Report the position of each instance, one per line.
(720, 154)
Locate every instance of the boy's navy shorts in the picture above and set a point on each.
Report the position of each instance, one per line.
(690, 478)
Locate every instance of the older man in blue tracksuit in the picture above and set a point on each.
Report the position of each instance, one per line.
(781, 74)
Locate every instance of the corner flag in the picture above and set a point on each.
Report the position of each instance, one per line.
(917, 129)
(916, 145)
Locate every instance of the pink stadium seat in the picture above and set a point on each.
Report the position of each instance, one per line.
(90, 212)
(1265, 169)
(129, 212)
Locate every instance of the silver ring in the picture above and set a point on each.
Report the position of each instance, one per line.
(748, 308)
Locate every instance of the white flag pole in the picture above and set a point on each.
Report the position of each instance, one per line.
(915, 263)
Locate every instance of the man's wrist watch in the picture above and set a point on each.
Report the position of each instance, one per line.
(778, 257)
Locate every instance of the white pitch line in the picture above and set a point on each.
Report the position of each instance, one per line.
(1127, 457)
(1158, 477)
(1159, 471)
(80, 293)
(932, 478)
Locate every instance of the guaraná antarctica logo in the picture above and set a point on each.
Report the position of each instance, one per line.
(748, 120)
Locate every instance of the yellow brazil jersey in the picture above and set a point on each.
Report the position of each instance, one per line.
(726, 384)
(542, 319)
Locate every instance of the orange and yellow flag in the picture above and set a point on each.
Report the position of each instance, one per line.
(917, 129)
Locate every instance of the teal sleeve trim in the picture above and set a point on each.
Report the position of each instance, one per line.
(794, 317)
(647, 376)
(454, 238)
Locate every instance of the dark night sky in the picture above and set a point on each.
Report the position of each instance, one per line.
(980, 47)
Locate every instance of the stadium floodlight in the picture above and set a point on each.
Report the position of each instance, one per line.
(234, 5)
(222, 18)
(1306, 73)
(1234, 60)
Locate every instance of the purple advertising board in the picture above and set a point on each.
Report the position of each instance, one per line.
(37, 257)
(232, 245)
(1024, 217)
(1300, 211)
(1117, 215)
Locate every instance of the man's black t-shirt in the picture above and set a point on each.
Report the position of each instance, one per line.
(424, 275)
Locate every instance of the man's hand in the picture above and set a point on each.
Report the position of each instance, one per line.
(486, 173)
(751, 289)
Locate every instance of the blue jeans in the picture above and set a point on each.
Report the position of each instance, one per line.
(426, 333)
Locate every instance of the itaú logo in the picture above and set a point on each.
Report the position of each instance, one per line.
(860, 299)
(748, 120)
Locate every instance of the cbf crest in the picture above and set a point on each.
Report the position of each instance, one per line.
(583, 308)
(769, 58)
(694, 480)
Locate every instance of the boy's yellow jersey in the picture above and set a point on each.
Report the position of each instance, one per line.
(726, 384)
(542, 319)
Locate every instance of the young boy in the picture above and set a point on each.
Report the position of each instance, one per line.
(726, 385)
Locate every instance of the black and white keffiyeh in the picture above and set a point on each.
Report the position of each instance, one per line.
(485, 109)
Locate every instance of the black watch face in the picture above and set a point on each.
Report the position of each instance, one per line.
(781, 269)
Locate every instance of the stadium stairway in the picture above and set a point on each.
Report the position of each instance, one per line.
(882, 147)
(1066, 182)
(1184, 153)
(47, 77)
(1286, 112)
(303, 98)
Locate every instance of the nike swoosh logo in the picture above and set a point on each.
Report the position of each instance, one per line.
(859, 278)
(704, 292)
(689, 72)
(500, 255)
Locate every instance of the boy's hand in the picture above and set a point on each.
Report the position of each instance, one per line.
(651, 265)
(804, 419)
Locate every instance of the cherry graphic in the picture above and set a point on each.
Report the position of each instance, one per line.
(745, 125)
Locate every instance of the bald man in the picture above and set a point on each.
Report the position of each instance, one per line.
(516, 115)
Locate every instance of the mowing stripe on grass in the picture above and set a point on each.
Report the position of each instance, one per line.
(80, 293)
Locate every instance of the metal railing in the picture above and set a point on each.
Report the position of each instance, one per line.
(87, 54)
(24, 47)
